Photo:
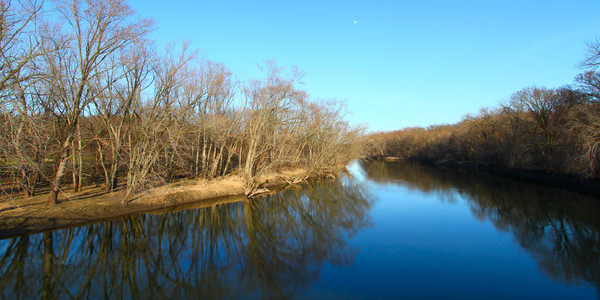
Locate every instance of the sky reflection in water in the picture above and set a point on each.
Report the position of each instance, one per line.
(389, 230)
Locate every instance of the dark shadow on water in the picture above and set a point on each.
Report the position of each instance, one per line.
(559, 228)
(264, 248)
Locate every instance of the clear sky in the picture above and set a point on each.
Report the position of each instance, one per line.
(395, 63)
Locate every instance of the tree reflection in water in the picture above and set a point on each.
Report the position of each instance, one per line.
(559, 228)
(264, 248)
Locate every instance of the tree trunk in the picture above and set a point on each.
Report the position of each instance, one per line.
(204, 155)
(113, 172)
(250, 160)
(80, 159)
(103, 165)
(116, 160)
(197, 172)
(60, 171)
(230, 153)
(74, 166)
(217, 162)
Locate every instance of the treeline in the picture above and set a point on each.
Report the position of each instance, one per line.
(539, 129)
(86, 96)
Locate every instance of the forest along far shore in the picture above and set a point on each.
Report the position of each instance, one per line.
(542, 135)
(97, 121)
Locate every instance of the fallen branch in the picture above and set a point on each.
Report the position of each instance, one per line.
(295, 181)
(257, 191)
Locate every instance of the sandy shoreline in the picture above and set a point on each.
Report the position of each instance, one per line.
(92, 204)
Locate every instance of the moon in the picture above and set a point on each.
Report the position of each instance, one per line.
(355, 22)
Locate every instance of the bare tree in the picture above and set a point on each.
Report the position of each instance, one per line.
(21, 47)
(269, 101)
(543, 106)
(587, 127)
(19, 42)
(115, 106)
(91, 85)
(588, 84)
(592, 59)
(95, 31)
(586, 120)
(154, 117)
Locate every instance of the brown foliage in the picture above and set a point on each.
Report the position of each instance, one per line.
(539, 130)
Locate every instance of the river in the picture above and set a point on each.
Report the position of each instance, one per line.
(383, 230)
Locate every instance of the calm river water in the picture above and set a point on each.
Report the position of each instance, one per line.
(385, 230)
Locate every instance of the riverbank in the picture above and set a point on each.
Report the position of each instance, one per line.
(22, 215)
(572, 183)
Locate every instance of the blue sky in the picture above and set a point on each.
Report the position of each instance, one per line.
(395, 63)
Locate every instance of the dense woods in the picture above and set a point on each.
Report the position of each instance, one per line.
(538, 129)
(87, 97)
